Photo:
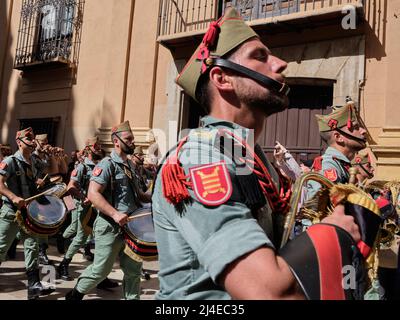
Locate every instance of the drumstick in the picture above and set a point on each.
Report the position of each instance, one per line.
(34, 197)
(43, 180)
(138, 216)
(43, 193)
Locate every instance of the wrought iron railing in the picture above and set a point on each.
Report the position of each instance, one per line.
(49, 31)
(182, 16)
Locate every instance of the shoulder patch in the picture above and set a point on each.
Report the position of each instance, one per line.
(3, 166)
(331, 174)
(97, 171)
(74, 173)
(212, 183)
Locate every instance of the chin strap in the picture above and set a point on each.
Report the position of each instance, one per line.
(262, 79)
(28, 145)
(348, 135)
(369, 174)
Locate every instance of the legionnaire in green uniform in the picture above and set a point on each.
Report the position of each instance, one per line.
(115, 193)
(78, 186)
(41, 142)
(216, 197)
(345, 136)
(18, 177)
(365, 170)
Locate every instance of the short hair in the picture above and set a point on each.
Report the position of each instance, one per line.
(203, 92)
(327, 136)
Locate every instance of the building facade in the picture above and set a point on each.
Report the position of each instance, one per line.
(74, 68)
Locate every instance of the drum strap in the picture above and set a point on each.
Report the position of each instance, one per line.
(130, 175)
(21, 172)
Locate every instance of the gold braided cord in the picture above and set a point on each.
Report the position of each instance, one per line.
(350, 193)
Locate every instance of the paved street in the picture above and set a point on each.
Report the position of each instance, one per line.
(13, 279)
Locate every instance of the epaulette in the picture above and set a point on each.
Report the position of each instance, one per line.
(174, 180)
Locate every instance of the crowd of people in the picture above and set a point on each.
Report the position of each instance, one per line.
(36, 168)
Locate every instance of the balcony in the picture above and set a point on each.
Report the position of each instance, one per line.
(181, 20)
(49, 33)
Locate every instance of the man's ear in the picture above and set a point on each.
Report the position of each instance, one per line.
(220, 79)
(337, 137)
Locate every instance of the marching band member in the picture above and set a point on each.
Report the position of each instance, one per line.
(216, 211)
(115, 193)
(18, 181)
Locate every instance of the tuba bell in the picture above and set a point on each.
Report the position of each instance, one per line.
(313, 210)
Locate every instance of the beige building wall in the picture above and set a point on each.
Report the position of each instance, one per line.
(125, 74)
(380, 91)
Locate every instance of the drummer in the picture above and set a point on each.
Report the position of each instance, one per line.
(43, 158)
(20, 171)
(114, 191)
(78, 187)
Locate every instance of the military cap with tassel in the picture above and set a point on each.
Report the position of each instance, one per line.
(222, 37)
(92, 141)
(122, 127)
(338, 118)
(25, 133)
(41, 137)
(361, 159)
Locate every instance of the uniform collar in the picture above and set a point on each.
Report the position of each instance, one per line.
(89, 162)
(209, 121)
(337, 154)
(116, 158)
(18, 155)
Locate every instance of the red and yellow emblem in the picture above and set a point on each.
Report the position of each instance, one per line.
(97, 171)
(212, 183)
(331, 174)
(3, 166)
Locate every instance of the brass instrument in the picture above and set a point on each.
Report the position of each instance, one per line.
(314, 209)
(390, 228)
(388, 232)
(353, 175)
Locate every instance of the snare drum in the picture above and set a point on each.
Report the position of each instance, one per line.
(54, 189)
(43, 216)
(139, 235)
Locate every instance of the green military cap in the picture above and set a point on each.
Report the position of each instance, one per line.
(338, 118)
(41, 137)
(224, 35)
(361, 159)
(122, 127)
(138, 150)
(91, 141)
(28, 132)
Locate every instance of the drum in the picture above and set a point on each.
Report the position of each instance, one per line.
(139, 235)
(44, 216)
(54, 189)
(45, 212)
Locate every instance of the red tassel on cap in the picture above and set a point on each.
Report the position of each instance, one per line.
(209, 40)
(174, 180)
(349, 122)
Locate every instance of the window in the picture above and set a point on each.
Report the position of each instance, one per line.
(49, 32)
(42, 126)
(261, 9)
